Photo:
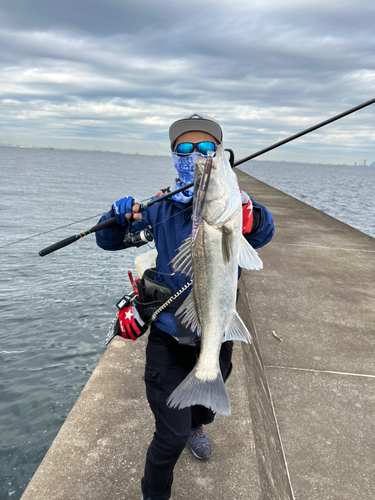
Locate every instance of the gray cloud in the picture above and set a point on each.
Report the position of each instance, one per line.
(114, 75)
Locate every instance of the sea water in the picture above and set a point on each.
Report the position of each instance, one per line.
(345, 192)
(55, 310)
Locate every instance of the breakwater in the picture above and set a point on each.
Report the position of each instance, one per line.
(302, 394)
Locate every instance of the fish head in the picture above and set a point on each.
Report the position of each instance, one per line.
(222, 179)
(221, 170)
(222, 196)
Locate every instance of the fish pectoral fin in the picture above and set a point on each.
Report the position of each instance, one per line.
(210, 393)
(189, 316)
(248, 257)
(183, 262)
(237, 330)
(226, 244)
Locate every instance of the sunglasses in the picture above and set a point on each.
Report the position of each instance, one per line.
(186, 148)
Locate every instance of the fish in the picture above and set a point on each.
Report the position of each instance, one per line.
(211, 257)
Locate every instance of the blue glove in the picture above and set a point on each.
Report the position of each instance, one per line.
(123, 207)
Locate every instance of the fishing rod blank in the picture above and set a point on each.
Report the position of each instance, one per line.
(304, 132)
(67, 241)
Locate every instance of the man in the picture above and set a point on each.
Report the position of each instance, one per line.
(171, 351)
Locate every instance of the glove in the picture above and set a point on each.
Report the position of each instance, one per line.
(131, 325)
(247, 217)
(122, 207)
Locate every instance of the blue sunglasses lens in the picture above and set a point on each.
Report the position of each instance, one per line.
(204, 147)
(186, 148)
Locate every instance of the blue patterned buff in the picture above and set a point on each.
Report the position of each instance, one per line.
(185, 167)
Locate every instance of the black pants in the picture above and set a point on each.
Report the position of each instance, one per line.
(167, 364)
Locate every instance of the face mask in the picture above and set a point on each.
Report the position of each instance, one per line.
(185, 167)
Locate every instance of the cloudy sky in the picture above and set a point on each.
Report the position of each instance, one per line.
(113, 74)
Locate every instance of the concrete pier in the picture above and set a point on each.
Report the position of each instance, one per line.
(302, 395)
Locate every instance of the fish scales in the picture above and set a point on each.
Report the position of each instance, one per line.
(213, 309)
(213, 259)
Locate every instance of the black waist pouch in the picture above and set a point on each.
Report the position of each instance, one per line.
(153, 296)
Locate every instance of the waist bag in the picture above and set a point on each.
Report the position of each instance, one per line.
(141, 308)
(153, 296)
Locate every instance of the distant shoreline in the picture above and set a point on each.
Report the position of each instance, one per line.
(372, 165)
(13, 146)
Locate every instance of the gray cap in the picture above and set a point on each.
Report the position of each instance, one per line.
(195, 121)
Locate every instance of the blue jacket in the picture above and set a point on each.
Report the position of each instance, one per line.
(171, 224)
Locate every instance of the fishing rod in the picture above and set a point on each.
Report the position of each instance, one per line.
(143, 206)
(49, 231)
(304, 132)
(104, 225)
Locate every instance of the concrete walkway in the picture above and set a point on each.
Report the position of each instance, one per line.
(317, 293)
(302, 423)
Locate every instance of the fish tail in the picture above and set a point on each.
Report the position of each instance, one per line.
(195, 391)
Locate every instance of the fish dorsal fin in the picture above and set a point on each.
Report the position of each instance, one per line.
(227, 244)
(183, 262)
(249, 258)
(237, 330)
(189, 316)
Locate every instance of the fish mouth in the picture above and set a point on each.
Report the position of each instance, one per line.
(203, 180)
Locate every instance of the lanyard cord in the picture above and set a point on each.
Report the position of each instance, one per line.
(171, 299)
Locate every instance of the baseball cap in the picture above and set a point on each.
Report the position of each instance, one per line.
(195, 121)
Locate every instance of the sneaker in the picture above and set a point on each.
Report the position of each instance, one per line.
(142, 498)
(199, 444)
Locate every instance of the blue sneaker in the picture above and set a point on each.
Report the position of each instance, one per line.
(199, 444)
